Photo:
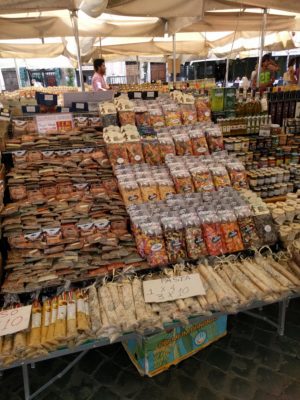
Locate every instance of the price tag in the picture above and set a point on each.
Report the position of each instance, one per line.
(137, 95)
(150, 94)
(54, 123)
(80, 106)
(48, 97)
(169, 289)
(15, 320)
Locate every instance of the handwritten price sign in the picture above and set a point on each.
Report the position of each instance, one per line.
(177, 287)
(15, 320)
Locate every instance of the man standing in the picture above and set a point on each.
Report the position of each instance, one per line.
(98, 80)
(267, 74)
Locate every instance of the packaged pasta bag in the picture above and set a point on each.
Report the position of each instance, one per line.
(135, 152)
(149, 190)
(247, 227)
(195, 245)
(172, 115)
(50, 333)
(230, 231)
(126, 117)
(212, 233)
(157, 119)
(142, 116)
(34, 336)
(174, 239)
(203, 111)
(151, 150)
(199, 144)
(183, 181)
(238, 175)
(60, 329)
(188, 114)
(166, 146)
(71, 315)
(202, 179)
(117, 153)
(94, 308)
(220, 177)
(166, 188)
(183, 144)
(46, 319)
(83, 323)
(154, 245)
(19, 340)
(214, 140)
(130, 192)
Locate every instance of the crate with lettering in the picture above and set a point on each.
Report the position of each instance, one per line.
(156, 353)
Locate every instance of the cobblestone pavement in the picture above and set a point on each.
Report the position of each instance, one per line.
(251, 363)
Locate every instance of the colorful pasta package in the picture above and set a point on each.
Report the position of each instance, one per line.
(199, 144)
(117, 153)
(220, 177)
(214, 140)
(151, 150)
(155, 249)
(130, 192)
(183, 144)
(126, 117)
(149, 190)
(157, 119)
(203, 111)
(202, 179)
(166, 188)
(188, 114)
(135, 152)
(247, 227)
(230, 232)
(212, 233)
(46, 319)
(195, 244)
(142, 116)
(60, 330)
(166, 146)
(172, 115)
(174, 239)
(34, 339)
(183, 181)
(238, 175)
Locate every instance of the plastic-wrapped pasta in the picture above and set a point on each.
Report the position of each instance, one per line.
(108, 306)
(50, 333)
(46, 320)
(82, 321)
(144, 313)
(20, 344)
(71, 315)
(119, 307)
(60, 330)
(34, 338)
(128, 301)
(94, 309)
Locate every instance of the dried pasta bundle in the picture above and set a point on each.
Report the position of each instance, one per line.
(20, 343)
(71, 315)
(34, 336)
(266, 265)
(81, 315)
(94, 310)
(126, 296)
(144, 313)
(60, 330)
(46, 319)
(50, 341)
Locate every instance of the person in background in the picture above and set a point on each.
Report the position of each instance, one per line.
(253, 77)
(87, 87)
(98, 80)
(36, 83)
(289, 76)
(267, 73)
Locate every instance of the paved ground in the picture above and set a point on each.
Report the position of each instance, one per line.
(250, 363)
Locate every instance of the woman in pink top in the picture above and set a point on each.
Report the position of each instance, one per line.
(98, 80)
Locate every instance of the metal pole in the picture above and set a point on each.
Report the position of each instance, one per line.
(100, 43)
(287, 59)
(174, 57)
(18, 73)
(227, 72)
(74, 18)
(262, 45)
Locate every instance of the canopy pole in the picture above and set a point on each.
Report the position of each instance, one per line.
(100, 43)
(174, 57)
(18, 74)
(227, 71)
(262, 45)
(74, 18)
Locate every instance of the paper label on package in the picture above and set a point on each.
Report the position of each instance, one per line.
(80, 306)
(54, 123)
(71, 310)
(169, 289)
(30, 109)
(137, 95)
(80, 106)
(48, 97)
(62, 312)
(36, 320)
(15, 320)
(150, 94)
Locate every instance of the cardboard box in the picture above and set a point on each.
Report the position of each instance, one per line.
(156, 353)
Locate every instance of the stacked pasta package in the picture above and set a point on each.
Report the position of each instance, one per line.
(118, 307)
